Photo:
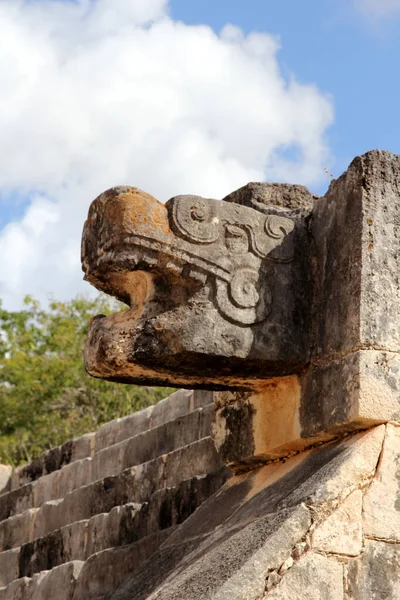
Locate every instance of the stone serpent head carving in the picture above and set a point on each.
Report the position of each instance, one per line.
(203, 279)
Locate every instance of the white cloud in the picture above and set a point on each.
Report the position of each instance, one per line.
(99, 93)
(378, 8)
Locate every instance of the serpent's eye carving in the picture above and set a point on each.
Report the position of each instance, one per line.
(195, 219)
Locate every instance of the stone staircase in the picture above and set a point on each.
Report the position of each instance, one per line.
(80, 519)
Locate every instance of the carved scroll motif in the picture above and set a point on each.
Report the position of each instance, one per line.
(222, 245)
(234, 239)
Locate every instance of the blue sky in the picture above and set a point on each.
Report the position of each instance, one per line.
(355, 57)
(178, 96)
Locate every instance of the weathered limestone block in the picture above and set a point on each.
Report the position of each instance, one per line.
(58, 583)
(147, 445)
(9, 566)
(17, 590)
(207, 416)
(118, 430)
(341, 532)
(313, 577)
(247, 555)
(16, 501)
(375, 574)
(163, 439)
(198, 458)
(73, 476)
(202, 398)
(122, 525)
(17, 530)
(110, 461)
(289, 414)
(64, 545)
(53, 459)
(285, 305)
(52, 486)
(135, 484)
(105, 571)
(44, 489)
(355, 229)
(173, 505)
(104, 530)
(381, 511)
(177, 405)
(85, 502)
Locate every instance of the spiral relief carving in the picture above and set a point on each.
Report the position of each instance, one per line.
(235, 240)
(240, 301)
(195, 219)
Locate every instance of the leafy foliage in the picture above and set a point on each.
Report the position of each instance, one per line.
(46, 397)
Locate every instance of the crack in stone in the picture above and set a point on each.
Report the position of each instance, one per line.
(300, 548)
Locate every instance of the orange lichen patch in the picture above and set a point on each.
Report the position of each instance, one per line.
(137, 213)
(266, 476)
(276, 421)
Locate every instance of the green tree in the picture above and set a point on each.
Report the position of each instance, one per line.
(46, 397)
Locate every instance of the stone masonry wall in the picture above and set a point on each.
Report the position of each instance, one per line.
(322, 524)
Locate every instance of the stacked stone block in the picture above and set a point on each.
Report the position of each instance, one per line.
(104, 502)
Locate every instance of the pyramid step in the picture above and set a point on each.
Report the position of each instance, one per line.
(80, 540)
(177, 404)
(52, 460)
(123, 525)
(105, 571)
(57, 584)
(135, 484)
(110, 461)
(9, 566)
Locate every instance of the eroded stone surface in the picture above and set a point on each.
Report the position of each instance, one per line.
(17, 590)
(318, 355)
(313, 577)
(320, 363)
(355, 231)
(16, 530)
(290, 414)
(382, 500)
(341, 532)
(9, 566)
(105, 571)
(247, 554)
(58, 583)
(375, 575)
